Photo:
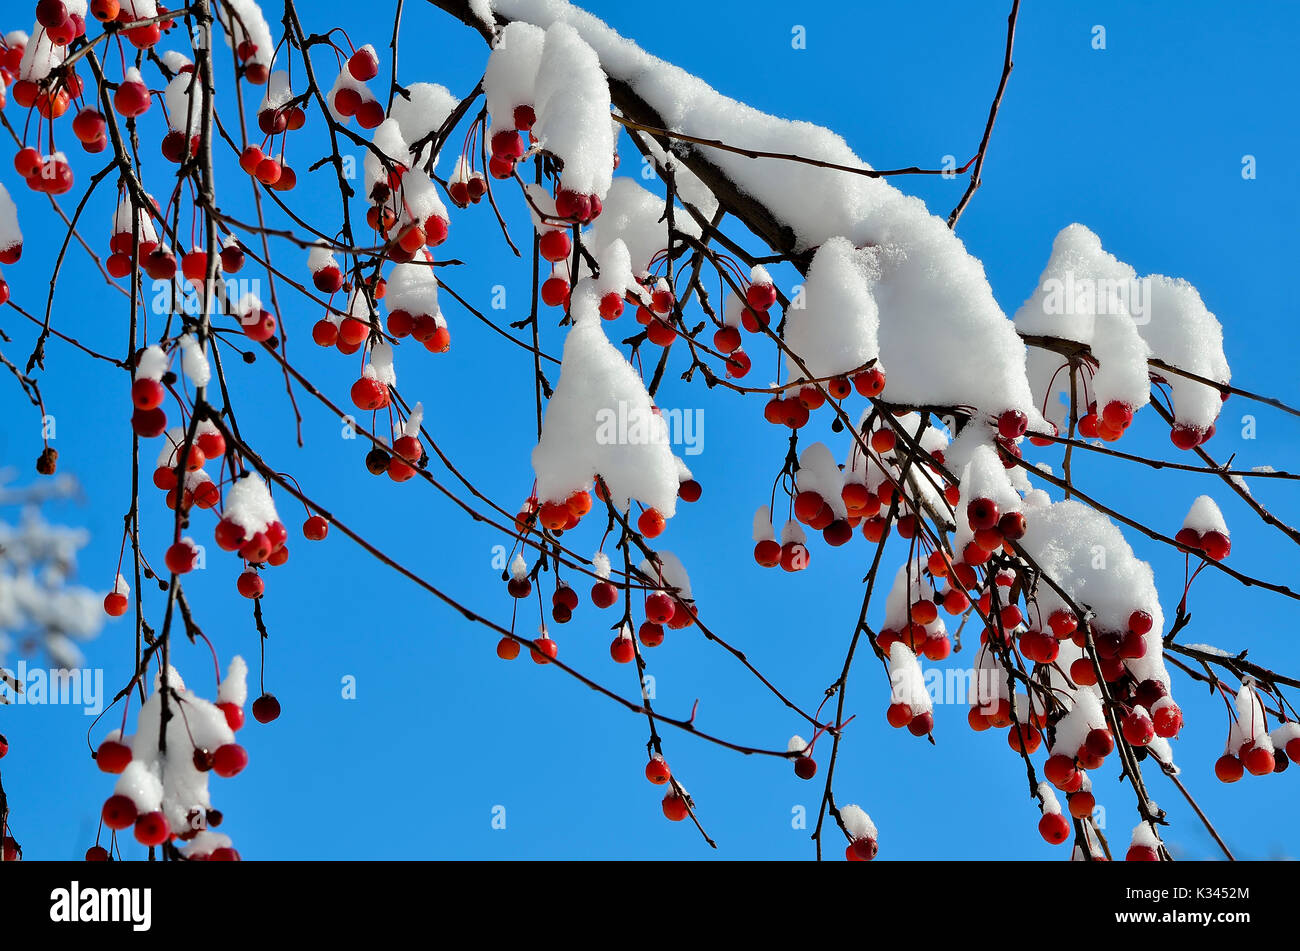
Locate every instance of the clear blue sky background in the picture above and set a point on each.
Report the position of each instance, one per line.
(1143, 142)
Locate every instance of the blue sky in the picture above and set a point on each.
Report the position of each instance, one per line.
(1142, 141)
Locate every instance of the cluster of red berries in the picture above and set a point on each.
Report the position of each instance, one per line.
(424, 328)
(362, 66)
(467, 187)
(1213, 544)
(1109, 424)
(916, 635)
(401, 462)
(900, 715)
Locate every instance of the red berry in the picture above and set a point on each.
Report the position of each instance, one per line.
(898, 715)
(115, 604)
(119, 812)
(152, 829)
(603, 594)
(657, 770)
(862, 850)
(674, 807)
(364, 64)
(112, 757)
(181, 557)
(1012, 424)
(651, 523)
(234, 715)
(554, 245)
(982, 513)
(545, 650)
(1215, 545)
(1054, 828)
(1258, 761)
(1228, 768)
(1186, 437)
(229, 760)
(369, 393)
(622, 650)
(315, 528)
(507, 649)
(507, 144)
(805, 767)
(266, 708)
(650, 634)
(250, 585)
(97, 853)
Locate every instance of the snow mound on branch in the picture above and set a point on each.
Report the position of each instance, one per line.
(636, 217)
(511, 73)
(669, 571)
(122, 220)
(169, 782)
(836, 329)
(818, 472)
(858, 823)
(40, 57)
(688, 187)
(616, 275)
(1204, 516)
(1183, 333)
(278, 92)
(1087, 556)
(424, 112)
(573, 112)
(413, 288)
(194, 362)
(10, 234)
(906, 681)
(183, 106)
(248, 504)
(1249, 724)
(601, 421)
(243, 20)
(941, 328)
(1087, 296)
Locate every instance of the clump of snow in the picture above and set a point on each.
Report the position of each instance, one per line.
(858, 823)
(170, 782)
(1084, 295)
(1182, 332)
(1250, 725)
(573, 119)
(243, 21)
(941, 331)
(670, 572)
(634, 216)
(249, 505)
(194, 362)
(184, 111)
(836, 328)
(818, 472)
(426, 109)
(906, 681)
(152, 363)
(601, 421)
(1204, 516)
(10, 234)
(511, 74)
